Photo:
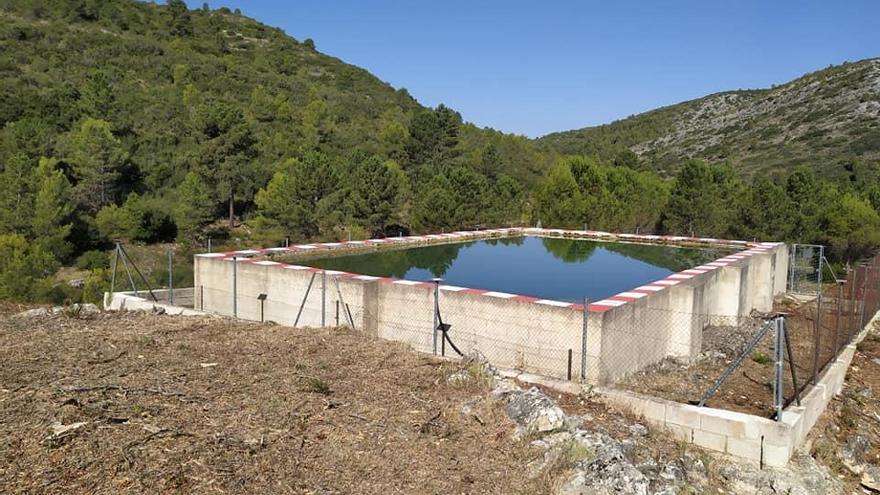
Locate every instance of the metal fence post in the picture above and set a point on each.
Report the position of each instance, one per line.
(209, 244)
(866, 280)
(817, 338)
(777, 388)
(436, 313)
(586, 319)
(323, 298)
(837, 317)
(170, 277)
(234, 287)
(113, 270)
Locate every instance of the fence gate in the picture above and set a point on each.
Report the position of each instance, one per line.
(805, 269)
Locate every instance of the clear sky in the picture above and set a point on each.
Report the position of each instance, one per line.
(534, 67)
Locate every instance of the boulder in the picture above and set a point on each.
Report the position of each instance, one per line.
(534, 412)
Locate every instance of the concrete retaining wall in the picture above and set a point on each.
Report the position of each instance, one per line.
(625, 332)
(757, 439)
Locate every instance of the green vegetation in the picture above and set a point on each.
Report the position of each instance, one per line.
(145, 123)
(822, 120)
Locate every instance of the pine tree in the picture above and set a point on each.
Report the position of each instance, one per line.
(16, 195)
(289, 201)
(194, 207)
(375, 194)
(52, 209)
(558, 200)
(98, 158)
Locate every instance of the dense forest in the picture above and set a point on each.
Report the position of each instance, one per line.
(144, 123)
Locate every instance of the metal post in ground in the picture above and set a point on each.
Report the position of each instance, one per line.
(113, 271)
(323, 298)
(584, 340)
(865, 281)
(837, 317)
(234, 287)
(817, 333)
(170, 277)
(209, 244)
(794, 379)
(777, 381)
(436, 312)
(853, 307)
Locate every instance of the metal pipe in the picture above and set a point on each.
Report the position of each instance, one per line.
(736, 363)
(141, 275)
(794, 380)
(305, 297)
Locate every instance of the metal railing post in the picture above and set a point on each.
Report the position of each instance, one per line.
(777, 388)
(586, 318)
(234, 287)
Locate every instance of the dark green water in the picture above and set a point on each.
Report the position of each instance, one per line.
(560, 269)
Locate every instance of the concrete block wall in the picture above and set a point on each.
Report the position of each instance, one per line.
(762, 440)
(627, 331)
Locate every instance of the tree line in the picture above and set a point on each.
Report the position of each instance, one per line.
(144, 123)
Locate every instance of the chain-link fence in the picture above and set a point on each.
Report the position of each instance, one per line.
(757, 364)
(805, 269)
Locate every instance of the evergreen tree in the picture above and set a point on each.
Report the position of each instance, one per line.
(16, 195)
(701, 201)
(558, 200)
(194, 207)
(226, 153)
(433, 136)
(375, 194)
(435, 209)
(289, 201)
(23, 266)
(765, 213)
(181, 24)
(97, 158)
(52, 209)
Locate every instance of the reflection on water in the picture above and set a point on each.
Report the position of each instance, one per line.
(561, 269)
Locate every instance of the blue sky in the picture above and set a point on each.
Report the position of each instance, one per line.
(534, 67)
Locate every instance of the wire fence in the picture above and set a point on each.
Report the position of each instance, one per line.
(758, 364)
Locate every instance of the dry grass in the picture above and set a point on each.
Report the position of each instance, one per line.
(174, 405)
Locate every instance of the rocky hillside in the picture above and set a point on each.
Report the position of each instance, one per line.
(823, 119)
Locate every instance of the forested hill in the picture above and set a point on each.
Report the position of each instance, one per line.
(133, 98)
(824, 120)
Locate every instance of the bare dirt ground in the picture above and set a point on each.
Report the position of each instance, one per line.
(749, 389)
(138, 403)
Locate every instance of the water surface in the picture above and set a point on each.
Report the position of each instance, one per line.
(560, 269)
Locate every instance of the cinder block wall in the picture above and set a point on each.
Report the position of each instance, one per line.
(625, 332)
